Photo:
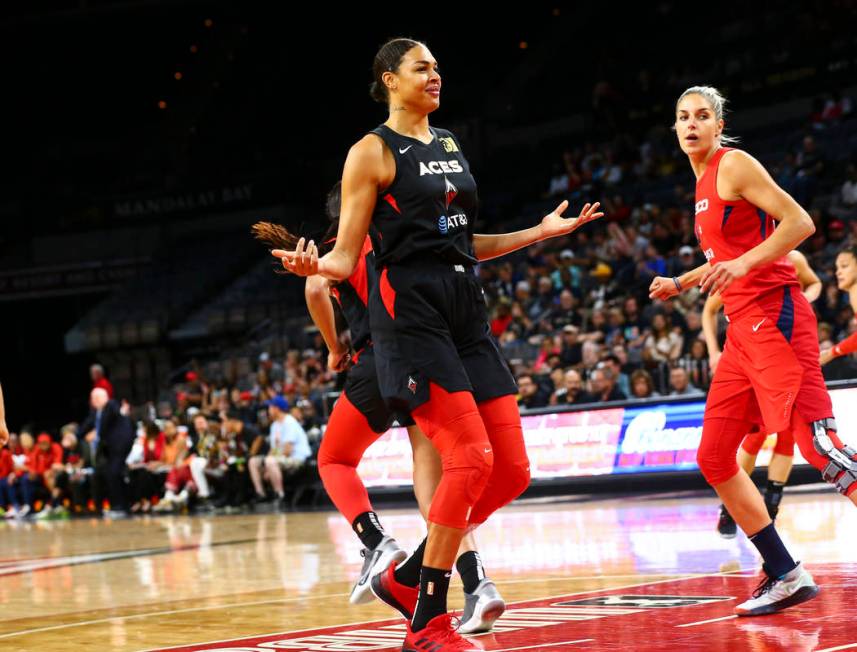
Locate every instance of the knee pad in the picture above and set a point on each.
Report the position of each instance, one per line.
(466, 470)
(470, 464)
(841, 467)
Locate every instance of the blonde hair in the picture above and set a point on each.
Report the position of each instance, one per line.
(718, 104)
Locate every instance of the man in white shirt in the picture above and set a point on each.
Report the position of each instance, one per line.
(288, 447)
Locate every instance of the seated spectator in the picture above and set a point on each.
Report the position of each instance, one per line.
(694, 330)
(680, 384)
(9, 477)
(530, 394)
(179, 483)
(147, 474)
(21, 454)
(571, 392)
(43, 462)
(57, 479)
(642, 385)
(288, 450)
(231, 460)
(615, 363)
(502, 317)
(696, 365)
(602, 382)
(663, 345)
(204, 444)
(541, 306)
(571, 353)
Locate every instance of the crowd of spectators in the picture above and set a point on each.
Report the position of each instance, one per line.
(571, 316)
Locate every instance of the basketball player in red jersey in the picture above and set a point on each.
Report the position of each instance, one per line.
(769, 372)
(433, 349)
(846, 280)
(4, 430)
(780, 466)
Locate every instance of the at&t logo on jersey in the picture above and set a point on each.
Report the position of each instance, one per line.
(701, 206)
(445, 224)
(440, 167)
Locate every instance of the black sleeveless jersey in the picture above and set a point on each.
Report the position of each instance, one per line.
(429, 210)
(352, 295)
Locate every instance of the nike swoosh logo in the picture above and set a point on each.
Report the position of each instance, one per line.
(756, 327)
(487, 450)
(375, 555)
(402, 151)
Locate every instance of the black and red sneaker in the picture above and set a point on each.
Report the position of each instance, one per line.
(388, 590)
(439, 636)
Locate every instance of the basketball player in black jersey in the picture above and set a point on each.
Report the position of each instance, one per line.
(433, 350)
(360, 416)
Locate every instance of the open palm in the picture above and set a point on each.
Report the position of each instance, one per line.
(554, 224)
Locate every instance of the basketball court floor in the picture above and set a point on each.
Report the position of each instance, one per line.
(635, 573)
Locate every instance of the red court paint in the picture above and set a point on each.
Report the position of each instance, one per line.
(689, 615)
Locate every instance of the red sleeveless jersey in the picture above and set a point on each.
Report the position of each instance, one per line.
(727, 229)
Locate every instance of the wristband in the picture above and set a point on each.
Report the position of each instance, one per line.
(677, 284)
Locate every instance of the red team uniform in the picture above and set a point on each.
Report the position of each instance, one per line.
(769, 367)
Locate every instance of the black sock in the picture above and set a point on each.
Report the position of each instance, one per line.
(778, 561)
(408, 573)
(774, 493)
(369, 529)
(434, 585)
(469, 566)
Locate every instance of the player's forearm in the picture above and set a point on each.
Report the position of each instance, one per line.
(812, 291)
(692, 277)
(488, 246)
(846, 346)
(793, 229)
(709, 331)
(338, 264)
(321, 310)
(709, 323)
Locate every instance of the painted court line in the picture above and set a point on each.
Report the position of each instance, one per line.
(840, 647)
(553, 597)
(544, 645)
(703, 622)
(152, 614)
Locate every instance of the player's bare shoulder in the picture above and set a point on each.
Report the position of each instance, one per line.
(372, 159)
(737, 171)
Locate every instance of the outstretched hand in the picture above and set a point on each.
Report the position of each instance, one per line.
(303, 261)
(554, 224)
